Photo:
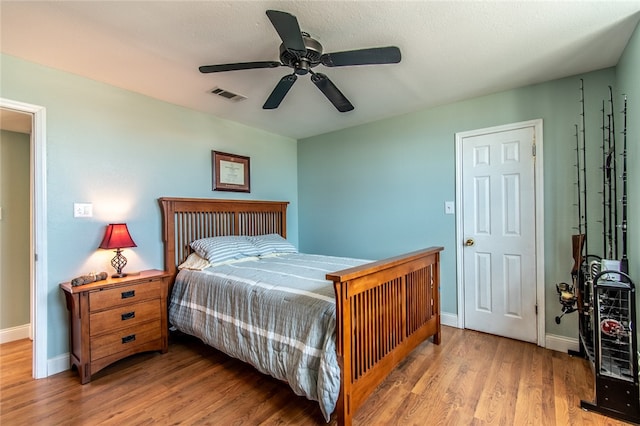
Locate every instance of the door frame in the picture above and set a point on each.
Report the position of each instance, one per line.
(38, 233)
(539, 218)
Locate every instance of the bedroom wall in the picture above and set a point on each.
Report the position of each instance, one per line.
(121, 151)
(14, 229)
(627, 73)
(379, 190)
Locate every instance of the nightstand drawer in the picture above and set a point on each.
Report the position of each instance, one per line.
(127, 339)
(124, 316)
(124, 295)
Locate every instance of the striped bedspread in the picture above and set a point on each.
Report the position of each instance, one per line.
(275, 313)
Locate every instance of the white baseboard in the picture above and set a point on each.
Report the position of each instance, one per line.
(449, 319)
(15, 333)
(561, 343)
(58, 364)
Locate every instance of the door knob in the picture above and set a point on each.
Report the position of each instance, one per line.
(469, 242)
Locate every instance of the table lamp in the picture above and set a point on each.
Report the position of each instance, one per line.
(117, 237)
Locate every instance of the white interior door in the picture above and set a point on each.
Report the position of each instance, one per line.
(499, 232)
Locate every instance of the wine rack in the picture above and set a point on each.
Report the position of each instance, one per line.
(615, 354)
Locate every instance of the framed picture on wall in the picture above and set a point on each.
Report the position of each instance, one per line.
(230, 172)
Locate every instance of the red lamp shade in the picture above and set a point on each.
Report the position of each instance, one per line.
(117, 237)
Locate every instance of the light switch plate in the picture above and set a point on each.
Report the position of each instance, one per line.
(82, 210)
(449, 207)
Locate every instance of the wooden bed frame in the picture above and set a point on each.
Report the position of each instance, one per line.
(384, 309)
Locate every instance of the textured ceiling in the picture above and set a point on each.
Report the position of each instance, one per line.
(451, 50)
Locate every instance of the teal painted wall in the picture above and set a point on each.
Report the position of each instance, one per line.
(14, 229)
(121, 151)
(379, 190)
(628, 72)
(628, 75)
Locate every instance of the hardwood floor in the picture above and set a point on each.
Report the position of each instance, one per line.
(470, 379)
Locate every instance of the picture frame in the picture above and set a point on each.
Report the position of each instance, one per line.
(230, 172)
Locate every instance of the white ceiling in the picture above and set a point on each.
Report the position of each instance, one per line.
(451, 50)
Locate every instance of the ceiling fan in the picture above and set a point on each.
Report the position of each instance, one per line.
(302, 53)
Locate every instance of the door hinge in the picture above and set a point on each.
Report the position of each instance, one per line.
(533, 149)
(536, 309)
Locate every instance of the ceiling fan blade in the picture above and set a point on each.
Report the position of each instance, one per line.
(375, 55)
(332, 93)
(239, 66)
(289, 31)
(280, 91)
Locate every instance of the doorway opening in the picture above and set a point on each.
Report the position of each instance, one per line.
(38, 232)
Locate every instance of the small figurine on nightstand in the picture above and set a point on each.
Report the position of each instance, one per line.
(86, 279)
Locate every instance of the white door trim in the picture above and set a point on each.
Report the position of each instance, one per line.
(539, 220)
(38, 243)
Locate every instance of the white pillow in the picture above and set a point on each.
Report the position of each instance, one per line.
(221, 249)
(272, 243)
(195, 262)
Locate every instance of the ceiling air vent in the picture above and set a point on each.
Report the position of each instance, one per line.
(227, 95)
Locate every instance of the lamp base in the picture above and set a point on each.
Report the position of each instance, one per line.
(118, 262)
(118, 275)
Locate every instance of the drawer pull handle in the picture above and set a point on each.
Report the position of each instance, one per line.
(128, 339)
(128, 294)
(128, 315)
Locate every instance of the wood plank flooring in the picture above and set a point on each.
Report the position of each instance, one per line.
(470, 379)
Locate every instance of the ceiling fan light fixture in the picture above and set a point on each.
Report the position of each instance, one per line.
(301, 52)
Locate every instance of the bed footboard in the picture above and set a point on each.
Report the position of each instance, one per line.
(384, 310)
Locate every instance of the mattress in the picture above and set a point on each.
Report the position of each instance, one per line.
(276, 313)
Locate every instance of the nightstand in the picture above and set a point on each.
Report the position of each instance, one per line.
(115, 318)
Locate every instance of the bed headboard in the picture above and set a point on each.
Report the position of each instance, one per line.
(187, 219)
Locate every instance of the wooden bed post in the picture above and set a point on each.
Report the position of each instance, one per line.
(384, 310)
(343, 351)
(436, 299)
(168, 236)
